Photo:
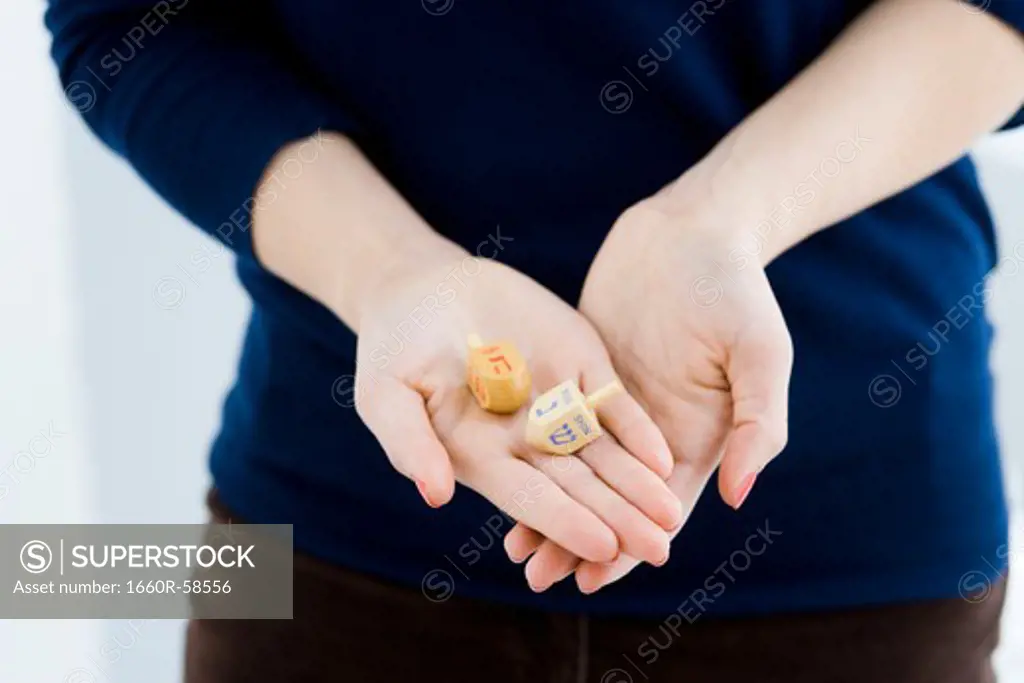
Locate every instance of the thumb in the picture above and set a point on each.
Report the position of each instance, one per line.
(397, 417)
(758, 370)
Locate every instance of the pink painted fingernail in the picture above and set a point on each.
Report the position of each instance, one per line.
(422, 488)
(744, 489)
(517, 559)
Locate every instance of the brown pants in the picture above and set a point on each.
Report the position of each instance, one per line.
(354, 628)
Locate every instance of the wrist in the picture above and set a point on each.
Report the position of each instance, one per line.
(721, 195)
(384, 267)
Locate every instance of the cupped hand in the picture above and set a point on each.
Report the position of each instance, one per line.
(682, 302)
(411, 393)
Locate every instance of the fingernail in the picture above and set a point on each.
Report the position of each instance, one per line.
(662, 561)
(422, 488)
(515, 558)
(665, 459)
(744, 489)
(538, 587)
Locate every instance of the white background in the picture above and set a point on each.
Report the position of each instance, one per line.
(132, 389)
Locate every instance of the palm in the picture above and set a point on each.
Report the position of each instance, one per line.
(709, 363)
(682, 385)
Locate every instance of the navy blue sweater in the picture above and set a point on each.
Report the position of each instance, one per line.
(549, 119)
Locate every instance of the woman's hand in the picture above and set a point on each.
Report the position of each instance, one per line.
(697, 337)
(707, 351)
(344, 236)
(411, 392)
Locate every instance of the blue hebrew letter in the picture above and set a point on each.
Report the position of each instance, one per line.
(541, 412)
(562, 435)
(582, 424)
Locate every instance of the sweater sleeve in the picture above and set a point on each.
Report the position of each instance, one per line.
(198, 96)
(1012, 13)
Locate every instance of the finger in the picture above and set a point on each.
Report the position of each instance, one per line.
(758, 371)
(397, 417)
(549, 565)
(633, 481)
(687, 481)
(636, 534)
(626, 420)
(592, 577)
(531, 497)
(522, 542)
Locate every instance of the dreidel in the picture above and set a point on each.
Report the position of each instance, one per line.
(497, 375)
(563, 420)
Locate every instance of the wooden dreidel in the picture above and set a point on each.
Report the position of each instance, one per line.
(562, 420)
(497, 375)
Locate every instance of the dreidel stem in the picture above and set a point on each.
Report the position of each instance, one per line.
(605, 392)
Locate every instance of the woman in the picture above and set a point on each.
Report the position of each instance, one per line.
(728, 190)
